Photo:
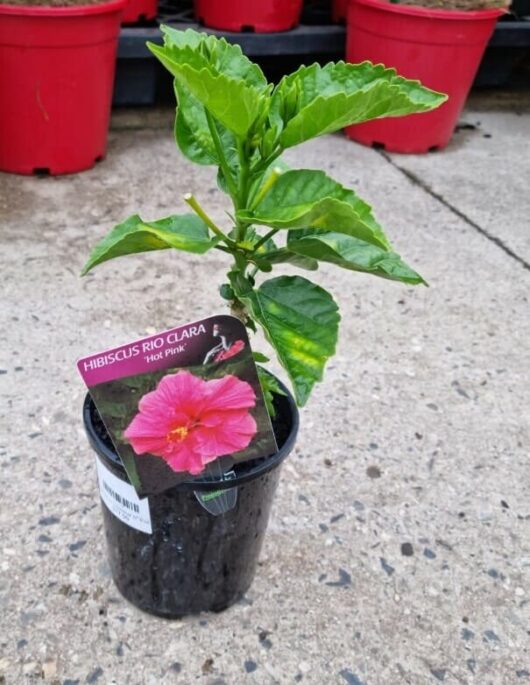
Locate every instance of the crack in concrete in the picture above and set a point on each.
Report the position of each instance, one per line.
(457, 212)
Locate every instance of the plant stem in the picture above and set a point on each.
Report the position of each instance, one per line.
(241, 261)
(244, 169)
(220, 153)
(256, 174)
(209, 222)
(263, 240)
(275, 174)
(265, 163)
(242, 196)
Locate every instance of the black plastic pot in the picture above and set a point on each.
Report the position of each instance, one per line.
(520, 8)
(193, 560)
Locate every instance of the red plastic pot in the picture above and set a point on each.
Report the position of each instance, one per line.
(57, 68)
(441, 48)
(261, 16)
(339, 10)
(139, 10)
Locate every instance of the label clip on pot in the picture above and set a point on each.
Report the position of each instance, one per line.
(218, 502)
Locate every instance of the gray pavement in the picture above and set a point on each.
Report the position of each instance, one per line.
(399, 546)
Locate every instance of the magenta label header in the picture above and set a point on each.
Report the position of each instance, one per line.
(176, 347)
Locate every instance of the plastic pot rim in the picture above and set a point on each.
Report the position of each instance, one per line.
(71, 11)
(433, 13)
(262, 466)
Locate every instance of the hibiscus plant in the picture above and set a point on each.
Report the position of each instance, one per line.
(229, 116)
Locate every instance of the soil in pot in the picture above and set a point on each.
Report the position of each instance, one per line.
(193, 560)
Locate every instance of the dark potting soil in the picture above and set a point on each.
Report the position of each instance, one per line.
(52, 3)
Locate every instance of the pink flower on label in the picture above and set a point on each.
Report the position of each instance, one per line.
(190, 422)
(234, 349)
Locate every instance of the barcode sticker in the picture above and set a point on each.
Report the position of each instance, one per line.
(121, 499)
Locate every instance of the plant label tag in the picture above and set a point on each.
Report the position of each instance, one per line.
(218, 502)
(121, 499)
(183, 404)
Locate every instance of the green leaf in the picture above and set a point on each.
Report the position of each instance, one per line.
(270, 387)
(351, 253)
(185, 232)
(251, 238)
(226, 292)
(262, 264)
(193, 135)
(310, 199)
(235, 105)
(259, 357)
(300, 320)
(192, 132)
(265, 180)
(217, 74)
(315, 100)
(284, 256)
(227, 58)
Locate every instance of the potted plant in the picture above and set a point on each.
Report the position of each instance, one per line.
(58, 62)
(139, 10)
(339, 10)
(261, 16)
(439, 42)
(230, 117)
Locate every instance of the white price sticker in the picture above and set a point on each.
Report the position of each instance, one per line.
(121, 500)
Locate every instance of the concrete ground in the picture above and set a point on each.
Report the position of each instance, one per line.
(399, 546)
